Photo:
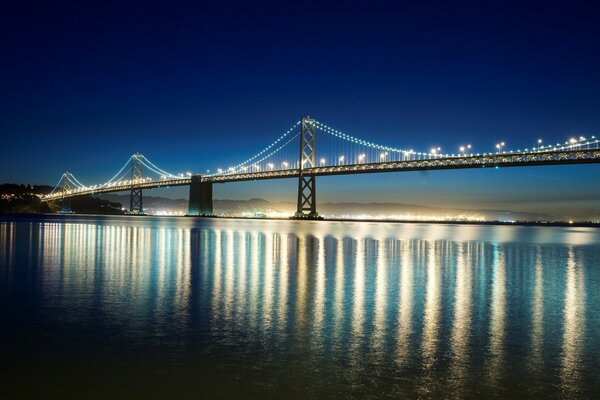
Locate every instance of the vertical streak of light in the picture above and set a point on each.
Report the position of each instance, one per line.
(283, 284)
(8, 243)
(268, 282)
(497, 318)
(242, 283)
(462, 318)
(432, 309)
(359, 300)
(339, 287)
(216, 289)
(574, 324)
(319, 292)
(254, 279)
(405, 307)
(379, 320)
(184, 281)
(302, 281)
(163, 254)
(66, 251)
(229, 275)
(205, 243)
(537, 334)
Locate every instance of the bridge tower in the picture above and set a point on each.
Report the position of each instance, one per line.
(307, 190)
(65, 202)
(135, 201)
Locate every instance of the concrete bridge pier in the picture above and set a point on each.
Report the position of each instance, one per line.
(201, 197)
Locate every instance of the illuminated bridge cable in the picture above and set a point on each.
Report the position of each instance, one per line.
(242, 165)
(263, 151)
(160, 172)
(356, 140)
(146, 163)
(117, 174)
(279, 148)
(58, 185)
(156, 169)
(73, 178)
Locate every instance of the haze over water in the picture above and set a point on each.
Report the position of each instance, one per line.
(121, 307)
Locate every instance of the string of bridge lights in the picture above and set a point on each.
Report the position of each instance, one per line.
(157, 170)
(264, 154)
(572, 142)
(67, 176)
(73, 179)
(117, 179)
(244, 168)
(263, 151)
(434, 152)
(356, 140)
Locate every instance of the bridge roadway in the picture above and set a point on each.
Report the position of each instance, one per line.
(558, 157)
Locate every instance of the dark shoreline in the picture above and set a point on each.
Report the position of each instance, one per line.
(4, 217)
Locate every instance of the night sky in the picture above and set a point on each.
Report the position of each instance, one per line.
(205, 85)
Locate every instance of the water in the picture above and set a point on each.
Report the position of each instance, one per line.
(122, 307)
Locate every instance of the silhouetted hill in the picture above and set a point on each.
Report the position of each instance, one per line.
(16, 198)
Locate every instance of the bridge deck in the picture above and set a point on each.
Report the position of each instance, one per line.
(561, 157)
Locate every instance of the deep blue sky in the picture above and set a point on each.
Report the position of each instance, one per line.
(83, 85)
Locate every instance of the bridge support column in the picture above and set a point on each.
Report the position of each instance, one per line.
(307, 188)
(201, 197)
(135, 201)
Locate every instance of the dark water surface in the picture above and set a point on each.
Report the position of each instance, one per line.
(125, 307)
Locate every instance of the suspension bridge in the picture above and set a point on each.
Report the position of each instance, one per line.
(294, 155)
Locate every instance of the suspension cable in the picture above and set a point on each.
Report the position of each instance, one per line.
(280, 138)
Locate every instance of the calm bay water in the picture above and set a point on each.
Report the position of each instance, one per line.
(124, 307)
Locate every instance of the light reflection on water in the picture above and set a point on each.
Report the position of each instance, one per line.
(306, 310)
